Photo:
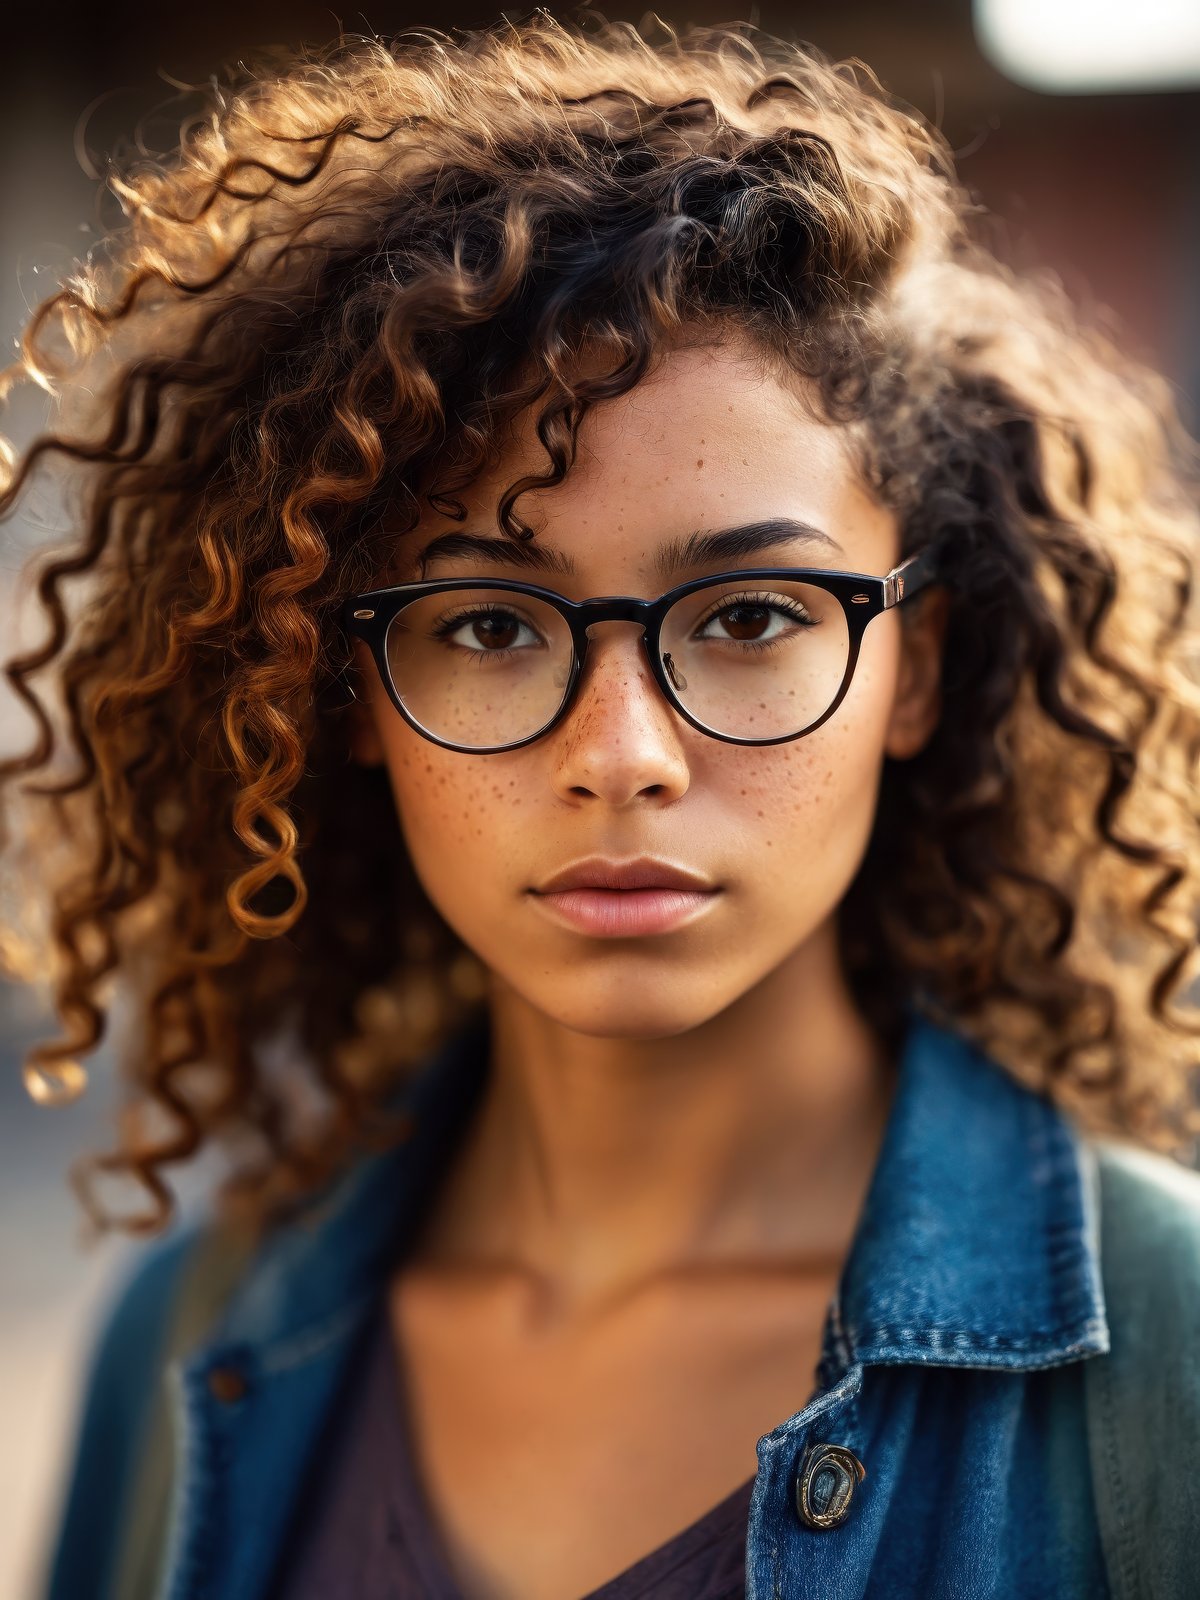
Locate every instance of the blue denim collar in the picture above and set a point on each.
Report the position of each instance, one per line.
(977, 1245)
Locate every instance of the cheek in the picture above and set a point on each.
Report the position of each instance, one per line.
(792, 800)
(454, 811)
(809, 806)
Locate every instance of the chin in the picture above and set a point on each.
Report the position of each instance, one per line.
(646, 1007)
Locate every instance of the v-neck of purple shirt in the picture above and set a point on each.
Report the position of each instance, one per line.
(363, 1530)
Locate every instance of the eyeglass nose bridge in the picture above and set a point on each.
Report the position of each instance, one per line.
(615, 608)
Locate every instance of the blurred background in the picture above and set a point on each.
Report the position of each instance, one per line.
(1077, 125)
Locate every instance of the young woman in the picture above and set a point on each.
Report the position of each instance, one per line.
(622, 717)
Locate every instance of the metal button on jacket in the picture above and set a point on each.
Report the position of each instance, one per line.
(825, 1483)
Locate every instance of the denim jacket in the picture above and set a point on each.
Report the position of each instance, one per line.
(1010, 1358)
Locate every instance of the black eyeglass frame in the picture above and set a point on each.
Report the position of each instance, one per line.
(863, 596)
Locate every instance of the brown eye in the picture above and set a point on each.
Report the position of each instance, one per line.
(496, 630)
(753, 618)
(745, 622)
(487, 631)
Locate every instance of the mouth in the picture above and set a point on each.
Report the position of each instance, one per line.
(625, 899)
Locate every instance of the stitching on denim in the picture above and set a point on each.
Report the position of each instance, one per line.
(197, 1486)
(965, 1338)
(1057, 1144)
(852, 1430)
(223, 1463)
(834, 1372)
(766, 1548)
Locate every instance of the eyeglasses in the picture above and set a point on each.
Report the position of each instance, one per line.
(754, 657)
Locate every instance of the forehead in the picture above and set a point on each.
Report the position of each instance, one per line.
(708, 440)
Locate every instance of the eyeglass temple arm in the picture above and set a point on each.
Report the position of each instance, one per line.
(920, 569)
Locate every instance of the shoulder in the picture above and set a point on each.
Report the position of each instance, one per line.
(1149, 1247)
(1149, 1225)
(1143, 1395)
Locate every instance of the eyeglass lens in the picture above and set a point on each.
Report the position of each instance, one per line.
(481, 669)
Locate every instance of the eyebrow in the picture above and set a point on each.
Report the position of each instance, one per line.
(723, 545)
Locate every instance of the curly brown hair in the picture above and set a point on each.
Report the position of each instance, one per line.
(322, 311)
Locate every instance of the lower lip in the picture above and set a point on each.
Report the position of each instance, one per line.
(626, 913)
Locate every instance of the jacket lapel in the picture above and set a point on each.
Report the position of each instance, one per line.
(978, 1245)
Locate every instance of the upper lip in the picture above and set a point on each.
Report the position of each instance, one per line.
(646, 872)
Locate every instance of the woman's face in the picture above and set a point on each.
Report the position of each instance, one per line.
(771, 835)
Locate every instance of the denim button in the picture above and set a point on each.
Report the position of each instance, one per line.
(226, 1384)
(825, 1482)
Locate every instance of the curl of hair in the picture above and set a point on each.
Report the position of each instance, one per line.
(322, 311)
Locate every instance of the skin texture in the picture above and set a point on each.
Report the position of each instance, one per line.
(624, 1278)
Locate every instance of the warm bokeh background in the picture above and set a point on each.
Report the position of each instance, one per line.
(1104, 187)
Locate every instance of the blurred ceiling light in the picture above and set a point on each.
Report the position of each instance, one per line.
(1083, 46)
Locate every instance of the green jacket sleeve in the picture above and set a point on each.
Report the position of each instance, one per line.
(1143, 1397)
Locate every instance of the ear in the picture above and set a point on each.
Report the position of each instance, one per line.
(366, 747)
(918, 701)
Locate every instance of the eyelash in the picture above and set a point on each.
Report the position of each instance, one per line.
(780, 603)
(445, 626)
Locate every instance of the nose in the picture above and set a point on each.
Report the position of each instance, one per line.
(621, 740)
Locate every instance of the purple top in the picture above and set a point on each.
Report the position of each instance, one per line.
(362, 1527)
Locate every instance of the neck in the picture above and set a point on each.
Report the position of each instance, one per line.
(602, 1164)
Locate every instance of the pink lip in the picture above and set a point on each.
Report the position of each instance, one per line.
(625, 913)
(624, 899)
(644, 872)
